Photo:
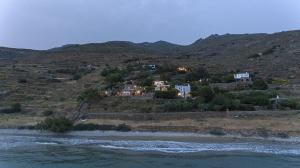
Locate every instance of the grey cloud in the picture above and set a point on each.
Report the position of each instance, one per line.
(42, 24)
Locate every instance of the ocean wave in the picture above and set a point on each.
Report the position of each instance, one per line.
(163, 146)
(47, 143)
(191, 147)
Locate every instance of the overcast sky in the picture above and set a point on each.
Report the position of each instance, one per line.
(43, 24)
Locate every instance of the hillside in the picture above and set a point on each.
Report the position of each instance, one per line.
(267, 54)
(53, 79)
(13, 53)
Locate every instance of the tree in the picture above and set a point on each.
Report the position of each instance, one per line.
(60, 125)
(16, 107)
(170, 94)
(114, 78)
(197, 74)
(146, 82)
(228, 78)
(206, 92)
(114, 75)
(89, 95)
(259, 84)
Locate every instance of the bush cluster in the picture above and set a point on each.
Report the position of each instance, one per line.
(170, 94)
(179, 105)
(114, 75)
(146, 82)
(91, 127)
(48, 113)
(255, 98)
(206, 92)
(290, 104)
(222, 78)
(220, 102)
(166, 67)
(14, 108)
(195, 75)
(214, 99)
(259, 84)
(76, 72)
(89, 95)
(59, 125)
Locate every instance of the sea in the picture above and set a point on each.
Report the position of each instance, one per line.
(97, 149)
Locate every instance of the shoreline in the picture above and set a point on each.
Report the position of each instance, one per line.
(260, 124)
(148, 135)
(147, 142)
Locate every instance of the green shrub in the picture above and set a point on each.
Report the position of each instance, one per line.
(207, 93)
(114, 78)
(246, 107)
(196, 75)
(123, 128)
(59, 125)
(221, 102)
(146, 109)
(48, 113)
(259, 84)
(263, 132)
(170, 94)
(201, 72)
(6, 110)
(166, 67)
(149, 89)
(282, 135)
(114, 75)
(76, 76)
(92, 127)
(228, 78)
(166, 76)
(89, 95)
(146, 82)
(217, 90)
(22, 80)
(204, 107)
(216, 79)
(255, 98)
(108, 70)
(180, 105)
(292, 104)
(217, 132)
(191, 76)
(14, 108)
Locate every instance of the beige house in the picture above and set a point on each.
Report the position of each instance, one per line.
(161, 86)
(131, 90)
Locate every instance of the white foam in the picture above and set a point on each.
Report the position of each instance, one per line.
(164, 146)
(47, 143)
(190, 147)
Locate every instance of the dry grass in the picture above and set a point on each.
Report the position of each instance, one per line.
(16, 120)
(290, 125)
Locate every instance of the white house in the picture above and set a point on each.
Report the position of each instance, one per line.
(152, 66)
(242, 76)
(184, 90)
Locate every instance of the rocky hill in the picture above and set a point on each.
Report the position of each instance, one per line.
(46, 79)
(270, 54)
